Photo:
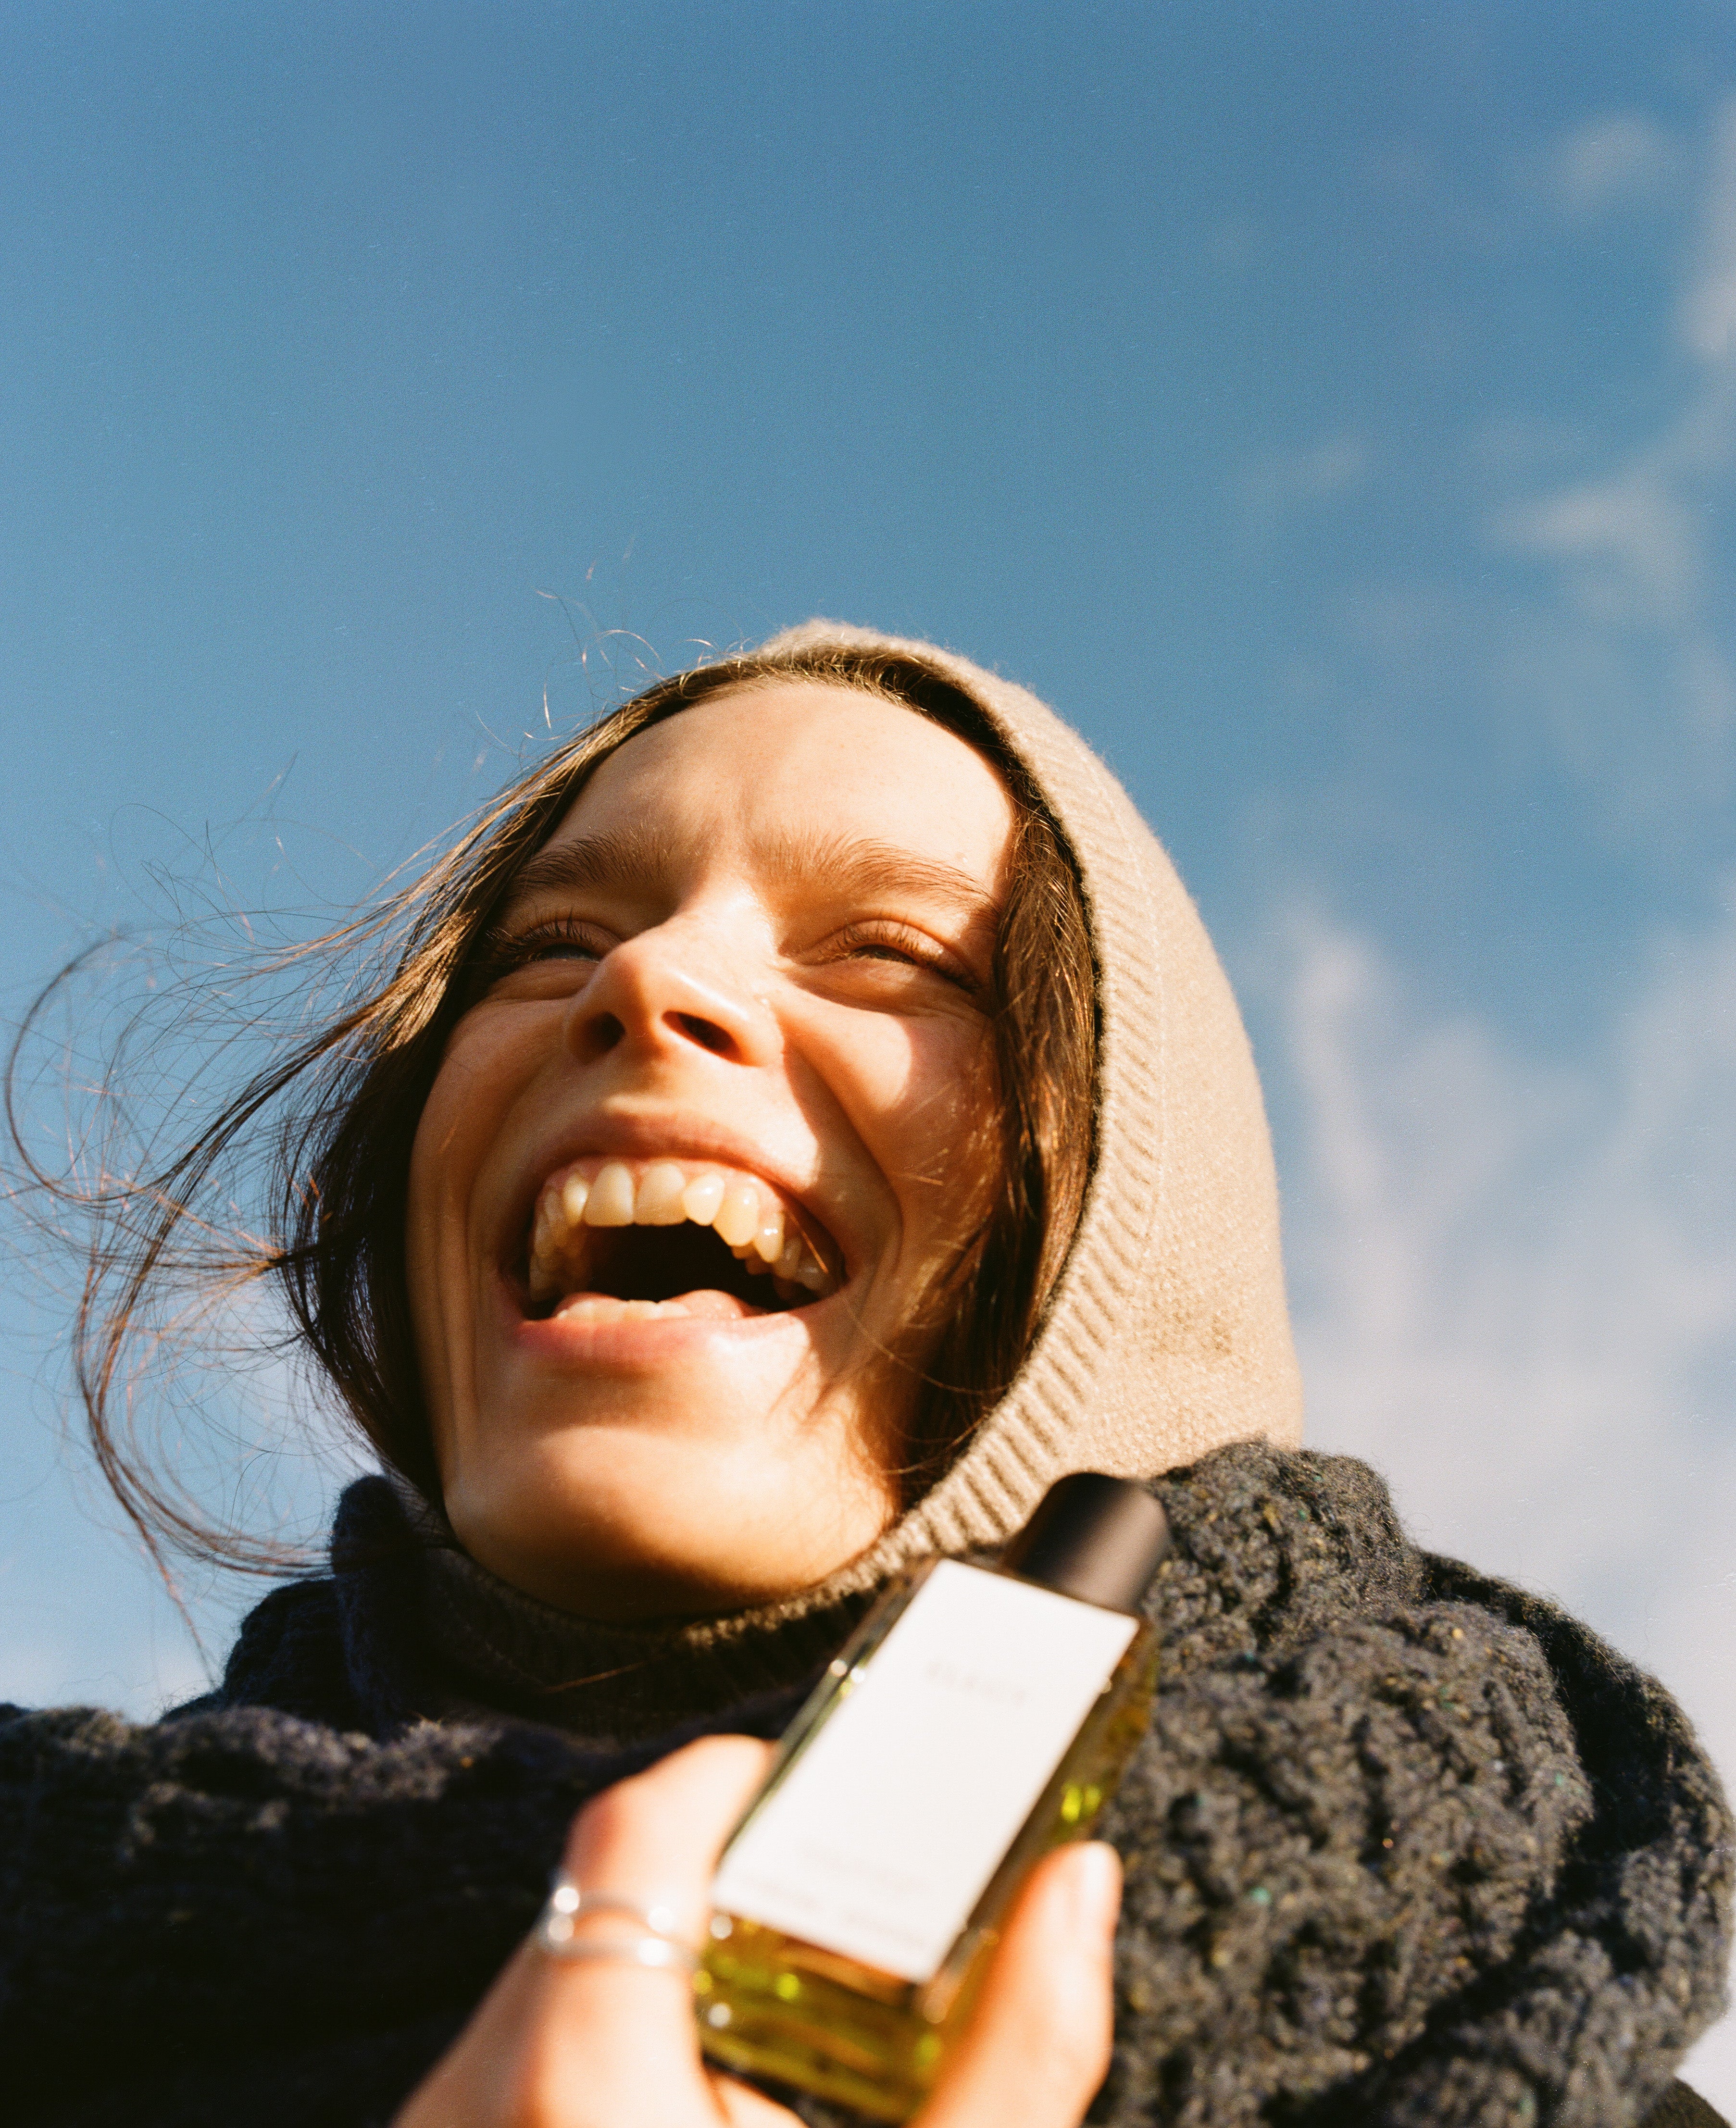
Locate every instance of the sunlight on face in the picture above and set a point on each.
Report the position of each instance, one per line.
(692, 1160)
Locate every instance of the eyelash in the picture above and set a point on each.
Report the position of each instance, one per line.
(912, 944)
(499, 954)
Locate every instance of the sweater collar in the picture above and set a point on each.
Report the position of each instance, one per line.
(482, 1647)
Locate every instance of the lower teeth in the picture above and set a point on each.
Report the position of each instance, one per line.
(602, 1309)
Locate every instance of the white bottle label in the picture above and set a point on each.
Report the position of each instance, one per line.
(887, 1829)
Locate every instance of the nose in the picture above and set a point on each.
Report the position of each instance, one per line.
(670, 991)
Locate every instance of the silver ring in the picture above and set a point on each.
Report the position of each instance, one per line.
(659, 1946)
(650, 1951)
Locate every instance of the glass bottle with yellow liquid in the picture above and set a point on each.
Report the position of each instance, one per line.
(979, 1717)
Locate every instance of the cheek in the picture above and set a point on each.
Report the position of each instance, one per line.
(461, 1084)
(927, 1090)
(472, 1092)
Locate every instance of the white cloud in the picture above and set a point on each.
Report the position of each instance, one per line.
(1506, 1265)
(1612, 650)
(1707, 318)
(1631, 545)
(1636, 578)
(1610, 161)
(1280, 482)
(1515, 1294)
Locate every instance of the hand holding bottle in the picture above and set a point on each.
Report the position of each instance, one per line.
(608, 2043)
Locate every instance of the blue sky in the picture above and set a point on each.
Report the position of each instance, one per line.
(1331, 409)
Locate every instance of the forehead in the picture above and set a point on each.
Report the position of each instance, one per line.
(792, 764)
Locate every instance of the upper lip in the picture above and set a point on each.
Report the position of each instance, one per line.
(702, 1143)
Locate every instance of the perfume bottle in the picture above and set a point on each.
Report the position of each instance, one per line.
(979, 1717)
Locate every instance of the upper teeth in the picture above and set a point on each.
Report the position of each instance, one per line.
(745, 1212)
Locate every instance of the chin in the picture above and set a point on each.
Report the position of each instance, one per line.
(666, 1468)
(609, 1524)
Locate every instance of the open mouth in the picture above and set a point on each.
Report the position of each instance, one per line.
(613, 1240)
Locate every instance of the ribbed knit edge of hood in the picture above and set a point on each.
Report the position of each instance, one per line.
(1168, 1335)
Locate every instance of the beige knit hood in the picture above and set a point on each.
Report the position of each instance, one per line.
(1168, 1335)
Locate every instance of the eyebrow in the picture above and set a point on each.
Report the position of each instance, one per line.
(605, 860)
(852, 866)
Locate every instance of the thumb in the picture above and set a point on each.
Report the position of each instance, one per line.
(592, 2043)
(1038, 2043)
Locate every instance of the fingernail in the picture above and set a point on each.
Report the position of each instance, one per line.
(1097, 1886)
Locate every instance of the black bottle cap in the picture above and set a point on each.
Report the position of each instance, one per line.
(1097, 1538)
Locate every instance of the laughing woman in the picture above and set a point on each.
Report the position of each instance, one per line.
(805, 1118)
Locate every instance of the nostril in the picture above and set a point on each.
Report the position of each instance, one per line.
(603, 1032)
(706, 1032)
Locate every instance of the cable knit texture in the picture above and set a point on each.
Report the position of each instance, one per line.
(281, 1903)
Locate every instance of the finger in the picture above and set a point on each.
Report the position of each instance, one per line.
(1038, 2043)
(592, 2044)
(739, 2106)
(624, 2033)
(656, 1838)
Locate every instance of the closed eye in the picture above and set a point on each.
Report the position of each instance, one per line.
(885, 939)
(500, 954)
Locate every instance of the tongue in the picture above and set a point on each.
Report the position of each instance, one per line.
(708, 1304)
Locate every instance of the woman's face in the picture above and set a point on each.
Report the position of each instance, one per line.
(690, 1162)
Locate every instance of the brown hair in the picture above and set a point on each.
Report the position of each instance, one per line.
(338, 1112)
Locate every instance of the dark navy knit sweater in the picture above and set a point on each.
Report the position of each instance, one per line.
(1403, 1846)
